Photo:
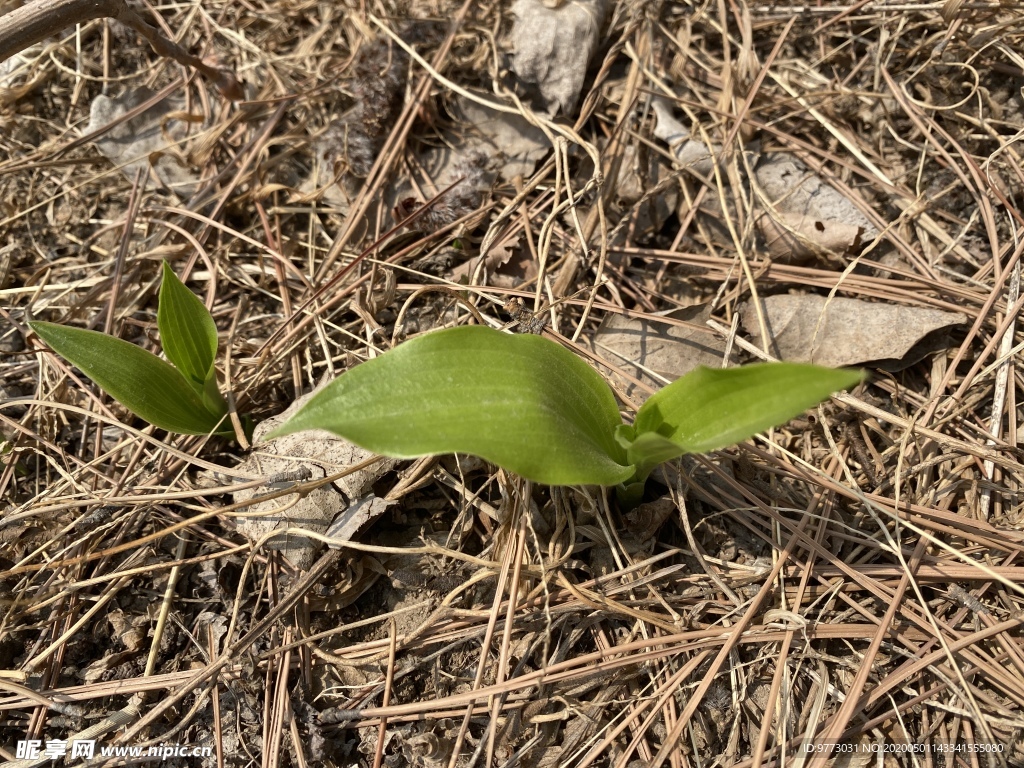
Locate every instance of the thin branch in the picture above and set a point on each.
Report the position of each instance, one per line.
(35, 21)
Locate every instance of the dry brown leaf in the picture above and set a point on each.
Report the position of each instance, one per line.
(553, 43)
(691, 154)
(804, 214)
(666, 350)
(147, 141)
(515, 143)
(506, 265)
(789, 235)
(841, 331)
(348, 523)
(639, 173)
(21, 74)
(319, 453)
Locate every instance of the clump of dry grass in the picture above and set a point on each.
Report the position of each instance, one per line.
(853, 576)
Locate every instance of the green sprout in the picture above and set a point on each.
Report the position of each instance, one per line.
(180, 395)
(528, 405)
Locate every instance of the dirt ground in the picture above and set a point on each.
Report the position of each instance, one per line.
(654, 185)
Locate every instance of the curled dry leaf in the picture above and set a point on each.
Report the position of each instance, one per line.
(644, 185)
(847, 332)
(348, 523)
(318, 452)
(20, 74)
(507, 264)
(692, 154)
(150, 140)
(803, 214)
(553, 43)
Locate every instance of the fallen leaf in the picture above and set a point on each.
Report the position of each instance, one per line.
(347, 524)
(316, 453)
(691, 154)
(790, 235)
(553, 43)
(670, 351)
(841, 331)
(640, 173)
(505, 265)
(21, 73)
(512, 140)
(148, 141)
(803, 214)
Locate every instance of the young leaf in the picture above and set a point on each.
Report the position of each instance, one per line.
(149, 387)
(187, 332)
(709, 408)
(521, 402)
(213, 400)
(649, 450)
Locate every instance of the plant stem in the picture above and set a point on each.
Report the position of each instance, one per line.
(630, 494)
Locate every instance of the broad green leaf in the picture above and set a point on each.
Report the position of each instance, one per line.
(709, 409)
(149, 387)
(521, 402)
(187, 332)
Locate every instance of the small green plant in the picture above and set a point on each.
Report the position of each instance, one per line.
(525, 403)
(179, 396)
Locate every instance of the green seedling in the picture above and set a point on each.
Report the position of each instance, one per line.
(528, 405)
(180, 395)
